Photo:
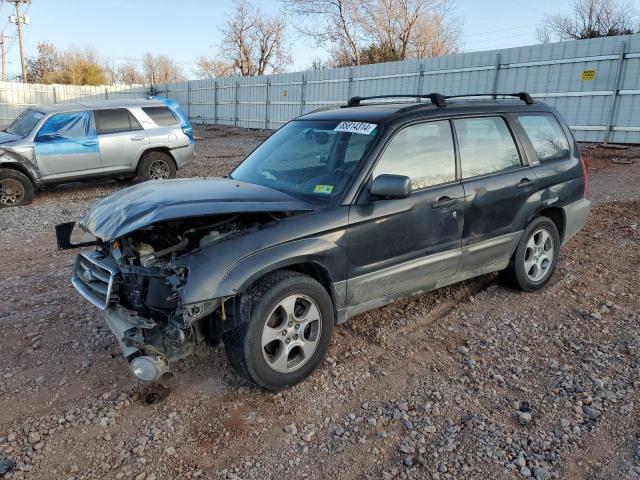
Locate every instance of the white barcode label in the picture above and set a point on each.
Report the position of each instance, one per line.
(356, 127)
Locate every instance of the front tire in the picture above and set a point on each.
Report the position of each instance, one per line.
(535, 258)
(288, 331)
(156, 165)
(16, 190)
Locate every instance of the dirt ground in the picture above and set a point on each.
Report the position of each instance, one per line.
(471, 381)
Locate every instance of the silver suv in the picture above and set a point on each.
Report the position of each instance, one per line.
(147, 138)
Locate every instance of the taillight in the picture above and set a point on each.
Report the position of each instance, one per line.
(585, 176)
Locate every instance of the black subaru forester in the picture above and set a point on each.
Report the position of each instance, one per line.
(338, 212)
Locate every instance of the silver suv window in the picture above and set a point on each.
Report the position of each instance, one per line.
(115, 120)
(486, 146)
(162, 116)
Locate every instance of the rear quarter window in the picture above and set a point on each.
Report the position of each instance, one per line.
(546, 136)
(162, 116)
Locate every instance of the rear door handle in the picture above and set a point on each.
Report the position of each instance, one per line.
(526, 182)
(137, 138)
(443, 202)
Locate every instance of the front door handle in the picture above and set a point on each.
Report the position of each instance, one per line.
(526, 182)
(443, 202)
(137, 138)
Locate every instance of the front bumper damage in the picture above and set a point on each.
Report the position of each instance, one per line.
(150, 344)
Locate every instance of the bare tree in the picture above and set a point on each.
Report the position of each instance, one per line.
(372, 31)
(44, 64)
(124, 73)
(336, 24)
(208, 67)
(73, 66)
(160, 69)
(254, 43)
(590, 19)
(402, 29)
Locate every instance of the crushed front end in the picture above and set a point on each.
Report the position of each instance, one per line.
(137, 281)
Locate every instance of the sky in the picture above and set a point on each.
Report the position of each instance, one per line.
(124, 30)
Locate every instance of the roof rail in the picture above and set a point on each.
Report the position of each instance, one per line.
(524, 96)
(436, 98)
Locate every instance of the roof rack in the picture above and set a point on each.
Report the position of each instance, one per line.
(436, 98)
(524, 96)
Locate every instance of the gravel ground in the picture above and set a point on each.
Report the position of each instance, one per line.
(471, 381)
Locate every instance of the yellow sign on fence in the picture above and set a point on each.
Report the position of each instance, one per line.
(588, 75)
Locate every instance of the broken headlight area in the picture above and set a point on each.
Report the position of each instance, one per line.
(138, 279)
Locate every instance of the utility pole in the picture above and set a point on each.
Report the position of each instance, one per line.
(19, 20)
(3, 48)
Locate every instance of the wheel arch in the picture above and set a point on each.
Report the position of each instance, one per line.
(557, 216)
(19, 168)
(166, 150)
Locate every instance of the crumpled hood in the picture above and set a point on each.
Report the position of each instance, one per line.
(156, 201)
(8, 137)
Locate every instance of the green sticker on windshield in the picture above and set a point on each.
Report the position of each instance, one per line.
(326, 189)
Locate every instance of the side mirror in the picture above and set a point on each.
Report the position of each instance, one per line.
(390, 186)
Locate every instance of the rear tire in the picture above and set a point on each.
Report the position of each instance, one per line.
(288, 332)
(535, 258)
(156, 165)
(16, 190)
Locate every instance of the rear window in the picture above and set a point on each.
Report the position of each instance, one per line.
(546, 135)
(115, 121)
(162, 116)
(486, 146)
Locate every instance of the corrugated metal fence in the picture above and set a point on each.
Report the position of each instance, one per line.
(595, 84)
(15, 97)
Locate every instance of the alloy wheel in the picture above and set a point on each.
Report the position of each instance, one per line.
(159, 170)
(291, 333)
(538, 255)
(11, 192)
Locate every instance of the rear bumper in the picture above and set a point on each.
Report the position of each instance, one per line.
(575, 215)
(184, 155)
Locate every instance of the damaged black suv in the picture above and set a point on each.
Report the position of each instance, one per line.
(338, 212)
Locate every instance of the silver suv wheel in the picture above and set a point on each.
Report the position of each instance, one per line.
(539, 254)
(11, 192)
(159, 170)
(291, 334)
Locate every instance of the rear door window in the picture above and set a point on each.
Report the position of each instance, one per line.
(486, 146)
(422, 152)
(162, 116)
(546, 136)
(115, 120)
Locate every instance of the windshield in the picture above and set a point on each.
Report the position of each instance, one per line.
(313, 159)
(23, 125)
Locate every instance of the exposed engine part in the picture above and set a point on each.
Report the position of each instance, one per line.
(147, 255)
(211, 237)
(174, 248)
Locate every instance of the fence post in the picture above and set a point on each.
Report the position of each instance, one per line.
(189, 100)
(350, 87)
(266, 105)
(303, 82)
(614, 92)
(55, 95)
(215, 102)
(235, 115)
(495, 77)
(420, 81)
